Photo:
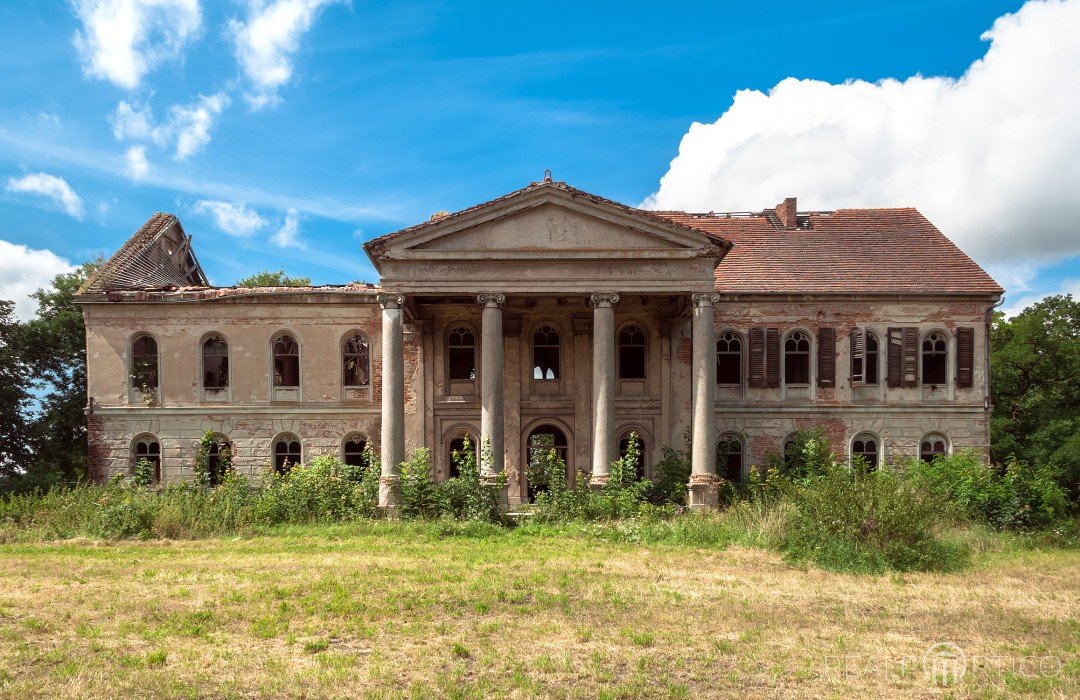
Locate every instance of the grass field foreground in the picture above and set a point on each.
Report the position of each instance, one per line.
(396, 610)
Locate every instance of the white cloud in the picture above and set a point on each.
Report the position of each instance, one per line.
(51, 186)
(1067, 286)
(23, 271)
(288, 236)
(188, 126)
(137, 164)
(266, 39)
(233, 219)
(992, 158)
(122, 40)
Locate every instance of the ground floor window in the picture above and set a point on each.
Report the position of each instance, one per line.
(868, 447)
(624, 447)
(542, 441)
(729, 457)
(147, 447)
(287, 453)
(933, 445)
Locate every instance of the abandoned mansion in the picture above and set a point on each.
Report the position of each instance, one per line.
(551, 311)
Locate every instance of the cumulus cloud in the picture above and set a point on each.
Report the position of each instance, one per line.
(137, 164)
(233, 219)
(992, 157)
(23, 271)
(122, 40)
(187, 128)
(288, 236)
(55, 188)
(265, 40)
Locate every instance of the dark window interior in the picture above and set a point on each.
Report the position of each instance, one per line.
(932, 446)
(729, 359)
(546, 353)
(354, 452)
(867, 447)
(729, 458)
(457, 445)
(356, 361)
(286, 454)
(639, 465)
(218, 459)
(150, 450)
(547, 437)
(461, 354)
(144, 363)
(632, 352)
(215, 354)
(871, 376)
(797, 359)
(934, 359)
(286, 362)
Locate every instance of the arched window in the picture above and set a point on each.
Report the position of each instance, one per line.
(456, 449)
(797, 359)
(147, 447)
(144, 363)
(215, 363)
(729, 457)
(935, 359)
(729, 359)
(219, 459)
(624, 447)
(867, 359)
(354, 450)
(287, 452)
(790, 455)
(632, 345)
(932, 446)
(461, 354)
(867, 446)
(542, 439)
(286, 362)
(356, 361)
(546, 352)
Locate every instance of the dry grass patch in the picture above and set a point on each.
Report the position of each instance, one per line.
(402, 613)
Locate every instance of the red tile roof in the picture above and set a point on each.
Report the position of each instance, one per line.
(871, 251)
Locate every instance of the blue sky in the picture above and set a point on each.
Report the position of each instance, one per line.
(306, 127)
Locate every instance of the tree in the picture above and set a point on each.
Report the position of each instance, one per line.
(14, 394)
(274, 278)
(54, 349)
(1035, 379)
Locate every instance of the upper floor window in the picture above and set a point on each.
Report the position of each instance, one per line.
(546, 352)
(144, 363)
(215, 363)
(286, 362)
(797, 359)
(354, 450)
(632, 345)
(932, 446)
(729, 359)
(461, 354)
(147, 447)
(729, 457)
(356, 361)
(864, 357)
(867, 446)
(935, 359)
(287, 452)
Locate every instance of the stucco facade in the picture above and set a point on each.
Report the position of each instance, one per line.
(548, 309)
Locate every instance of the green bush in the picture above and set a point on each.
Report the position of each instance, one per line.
(466, 496)
(670, 478)
(324, 491)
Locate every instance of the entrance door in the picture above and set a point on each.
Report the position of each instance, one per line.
(542, 439)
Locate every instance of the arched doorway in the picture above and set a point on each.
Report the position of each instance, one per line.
(542, 438)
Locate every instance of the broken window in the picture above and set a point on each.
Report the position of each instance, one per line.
(147, 447)
(219, 459)
(729, 359)
(864, 357)
(354, 450)
(797, 359)
(866, 446)
(456, 452)
(935, 357)
(933, 445)
(286, 362)
(287, 453)
(546, 353)
(461, 354)
(729, 457)
(144, 363)
(356, 361)
(624, 447)
(632, 346)
(215, 359)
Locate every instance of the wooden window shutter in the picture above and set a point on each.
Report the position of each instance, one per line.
(896, 363)
(858, 354)
(965, 356)
(772, 357)
(826, 357)
(757, 357)
(911, 357)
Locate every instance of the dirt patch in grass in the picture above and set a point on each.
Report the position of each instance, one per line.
(371, 613)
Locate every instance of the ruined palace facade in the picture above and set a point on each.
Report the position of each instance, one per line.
(551, 311)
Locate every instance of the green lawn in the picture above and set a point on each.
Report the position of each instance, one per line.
(397, 610)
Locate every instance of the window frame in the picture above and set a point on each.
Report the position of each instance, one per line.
(645, 440)
(623, 328)
(282, 437)
(736, 335)
(809, 354)
(215, 393)
(451, 329)
(933, 434)
(863, 436)
(741, 440)
(148, 438)
(946, 356)
(135, 392)
(283, 392)
(537, 329)
(345, 339)
(353, 436)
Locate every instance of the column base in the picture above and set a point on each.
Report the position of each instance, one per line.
(390, 496)
(598, 481)
(704, 492)
(498, 481)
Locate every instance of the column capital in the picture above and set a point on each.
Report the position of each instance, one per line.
(493, 301)
(603, 299)
(391, 301)
(706, 299)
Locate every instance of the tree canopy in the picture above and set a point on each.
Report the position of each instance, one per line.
(273, 278)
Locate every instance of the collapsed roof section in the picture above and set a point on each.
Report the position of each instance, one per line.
(157, 256)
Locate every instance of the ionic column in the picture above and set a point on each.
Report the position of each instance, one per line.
(491, 447)
(704, 484)
(605, 450)
(392, 442)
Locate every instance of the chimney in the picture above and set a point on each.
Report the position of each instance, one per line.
(785, 211)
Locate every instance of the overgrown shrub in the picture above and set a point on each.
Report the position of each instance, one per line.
(326, 490)
(670, 478)
(466, 496)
